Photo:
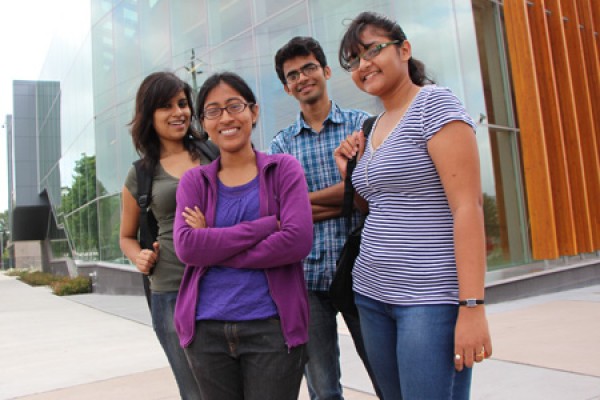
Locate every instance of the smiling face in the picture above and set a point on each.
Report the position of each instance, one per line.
(231, 131)
(171, 121)
(307, 88)
(385, 71)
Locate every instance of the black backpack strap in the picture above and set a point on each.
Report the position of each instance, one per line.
(207, 148)
(348, 204)
(148, 230)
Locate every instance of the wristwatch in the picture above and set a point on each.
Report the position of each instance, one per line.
(470, 303)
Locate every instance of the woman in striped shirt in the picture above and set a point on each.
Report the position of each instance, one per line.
(419, 277)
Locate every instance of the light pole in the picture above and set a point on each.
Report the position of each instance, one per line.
(193, 70)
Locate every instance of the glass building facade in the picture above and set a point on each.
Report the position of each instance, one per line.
(100, 65)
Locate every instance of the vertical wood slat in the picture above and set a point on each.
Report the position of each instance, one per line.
(535, 161)
(570, 126)
(595, 9)
(561, 191)
(584, 115)
(592, 62)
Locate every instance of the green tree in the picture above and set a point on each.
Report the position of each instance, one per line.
(79, 208)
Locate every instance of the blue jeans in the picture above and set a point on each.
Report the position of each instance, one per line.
(163, 307)
(246, 360)
(323, 368)
(412, 350)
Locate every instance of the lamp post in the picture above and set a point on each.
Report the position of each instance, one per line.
(193, 70)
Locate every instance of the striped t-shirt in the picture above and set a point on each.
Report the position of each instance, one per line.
(407, 252)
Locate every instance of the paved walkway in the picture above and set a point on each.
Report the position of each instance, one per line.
(102, 347)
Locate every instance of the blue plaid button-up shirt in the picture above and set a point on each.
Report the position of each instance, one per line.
(314, 150)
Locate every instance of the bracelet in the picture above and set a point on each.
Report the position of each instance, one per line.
(470, 303)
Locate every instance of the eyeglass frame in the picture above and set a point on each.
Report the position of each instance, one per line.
(302, 70)
(369, 54)
(226, 108)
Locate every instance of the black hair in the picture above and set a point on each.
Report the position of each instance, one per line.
(351, 43)
(154, 92)
(299, 46)
(231, 79)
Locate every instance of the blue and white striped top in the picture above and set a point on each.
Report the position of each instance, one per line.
(407, 250)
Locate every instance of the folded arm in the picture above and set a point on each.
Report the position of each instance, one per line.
(293, 241)
(210, 246)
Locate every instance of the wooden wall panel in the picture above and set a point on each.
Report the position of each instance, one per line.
(584, 115)
(592, 63)
(570, 125)
(535, 161)
(595, 7)
(561, 191)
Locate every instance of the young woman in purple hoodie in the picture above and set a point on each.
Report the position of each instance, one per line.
(243, 224)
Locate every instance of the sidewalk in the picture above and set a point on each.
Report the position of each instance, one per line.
(102, 347)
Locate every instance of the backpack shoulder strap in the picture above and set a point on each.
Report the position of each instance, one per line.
(208, 148)
(148, 226)
(144, 184)
(348, 188)
(368, 125)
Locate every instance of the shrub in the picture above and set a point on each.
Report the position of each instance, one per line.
(37, 278)
(68, 286)
(61, 285)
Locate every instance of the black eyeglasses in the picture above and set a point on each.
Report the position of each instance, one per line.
(216, 112)
(367, 55)
(307, 70)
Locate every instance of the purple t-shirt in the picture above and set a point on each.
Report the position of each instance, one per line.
(234, 294)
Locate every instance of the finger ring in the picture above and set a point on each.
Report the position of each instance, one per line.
(457, 357)
(482, 354)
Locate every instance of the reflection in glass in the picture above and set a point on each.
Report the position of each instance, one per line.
(505, 216)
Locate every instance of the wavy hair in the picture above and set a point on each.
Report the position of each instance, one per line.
(155, 91)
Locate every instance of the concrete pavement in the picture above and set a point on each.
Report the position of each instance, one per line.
(102, 347)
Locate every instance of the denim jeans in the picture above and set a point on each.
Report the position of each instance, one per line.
(247, 360)
(323, 371)
(163, 307)
(412, 350)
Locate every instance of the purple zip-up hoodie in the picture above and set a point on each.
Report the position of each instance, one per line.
(277, 241)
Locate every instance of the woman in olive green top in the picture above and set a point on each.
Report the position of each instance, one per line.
(162, 135)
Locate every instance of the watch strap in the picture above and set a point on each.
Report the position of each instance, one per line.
(471, 302)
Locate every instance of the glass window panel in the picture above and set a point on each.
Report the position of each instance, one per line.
(106, 146)
(227, 19)
(189, 29)
(155, 38)
(265, 8)
(504, 208)
(103, 64)
(109, 218)
(505, 215)
(128, 65)
(270, 36)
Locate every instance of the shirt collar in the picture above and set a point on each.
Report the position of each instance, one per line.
(335, 116)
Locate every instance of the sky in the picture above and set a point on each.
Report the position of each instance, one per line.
(26, 30)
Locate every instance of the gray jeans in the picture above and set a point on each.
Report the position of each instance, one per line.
(246, 360)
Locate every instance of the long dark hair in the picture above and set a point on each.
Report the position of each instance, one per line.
(231, 79)
(155, 91)
(351, 43)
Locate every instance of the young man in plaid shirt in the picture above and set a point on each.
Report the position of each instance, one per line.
(319, 128)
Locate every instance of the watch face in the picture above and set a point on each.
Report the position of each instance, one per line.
(471, 302)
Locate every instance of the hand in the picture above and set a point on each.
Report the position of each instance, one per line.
(194, 218)
(353, 145)
(472, 342)
(146, 259)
